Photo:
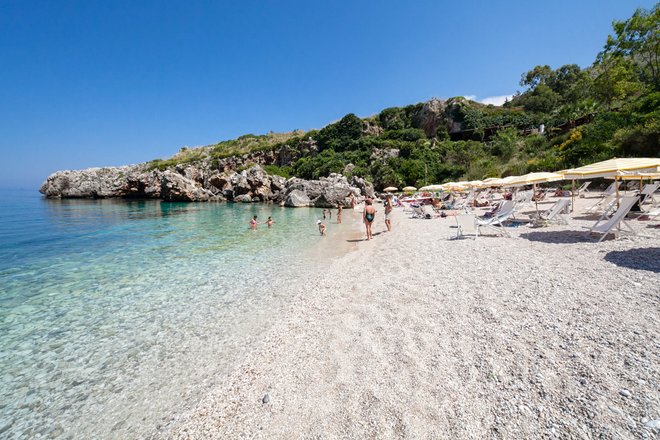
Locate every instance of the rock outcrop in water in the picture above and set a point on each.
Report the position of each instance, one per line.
(201, 184)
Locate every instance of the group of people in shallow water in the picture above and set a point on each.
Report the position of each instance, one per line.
(368, 217)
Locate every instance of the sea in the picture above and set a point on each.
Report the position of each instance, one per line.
(116, 315)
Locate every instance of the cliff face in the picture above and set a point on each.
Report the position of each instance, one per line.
(197, 183)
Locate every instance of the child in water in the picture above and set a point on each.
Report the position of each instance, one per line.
(253, 222)
(321, 227)
(269, 222)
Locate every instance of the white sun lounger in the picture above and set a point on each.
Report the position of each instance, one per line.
(583, 188)
(418, 212)
(648, 193)
(496, 222)
(467, 225)
(613, 224)
(605, 204)
(554, 215)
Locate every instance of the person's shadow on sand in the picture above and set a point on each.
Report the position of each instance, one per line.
(638, 259)
(357, 240)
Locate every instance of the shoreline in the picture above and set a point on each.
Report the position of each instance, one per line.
(413, 335)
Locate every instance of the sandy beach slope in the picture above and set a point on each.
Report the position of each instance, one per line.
(417, 336)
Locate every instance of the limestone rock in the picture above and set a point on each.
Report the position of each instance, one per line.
(175, 187)
(89, 183)
(431, 116)
(243, 198)
(296, 199)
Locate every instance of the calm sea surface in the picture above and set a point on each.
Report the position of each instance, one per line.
(116, 314)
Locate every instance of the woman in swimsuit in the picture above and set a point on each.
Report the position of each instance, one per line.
(253, 222)
(368, 216)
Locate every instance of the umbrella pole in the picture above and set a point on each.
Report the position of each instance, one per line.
(536, 199)
(573, 195)
(616, 186)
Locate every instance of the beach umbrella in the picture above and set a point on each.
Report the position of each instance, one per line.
(391, 189)
(634, 175)
(475, 183)
(409, 189)
(533, 179)
(612, 167)
(431, 188)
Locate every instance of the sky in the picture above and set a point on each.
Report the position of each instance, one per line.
(105, 83)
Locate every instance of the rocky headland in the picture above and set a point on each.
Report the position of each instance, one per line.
(200, 183)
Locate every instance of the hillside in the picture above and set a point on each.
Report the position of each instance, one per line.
(611, 108)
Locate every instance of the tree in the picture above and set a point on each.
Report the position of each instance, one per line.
(638, 39)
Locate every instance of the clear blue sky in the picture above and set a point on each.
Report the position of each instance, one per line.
(94, 83)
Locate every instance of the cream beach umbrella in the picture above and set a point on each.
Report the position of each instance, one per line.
(611, 167)
(634, 175)
(391, 189)
(533, 179)
(431, 188)
(475, 184)
(409, 189)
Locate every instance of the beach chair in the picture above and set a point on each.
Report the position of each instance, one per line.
(466, 226)
(648, 192)
(496, 222)
(556, 214)
(611, 189)
(613, 224)
(582, 190)
(605, 204)
(417, 211)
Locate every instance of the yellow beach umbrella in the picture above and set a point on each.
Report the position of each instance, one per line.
(391, 189)
(612, 167)
(609, 168)
(431, 188)
(635, 176)
(533, 179)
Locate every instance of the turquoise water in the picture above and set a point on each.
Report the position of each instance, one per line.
(116, 314)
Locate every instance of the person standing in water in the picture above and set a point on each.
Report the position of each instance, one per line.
(388, 213)
(321, 227)
(339, 208)
(253, 222)
(368, 216)
(269, 222)
(324, 212)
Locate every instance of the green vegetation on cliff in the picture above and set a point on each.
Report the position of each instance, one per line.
(611, 108)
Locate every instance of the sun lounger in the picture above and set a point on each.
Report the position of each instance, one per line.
(554, 215)
(613, 224)
(648, 193)
(583, 189)
(417, 211)
(496, 222)
(604, 204)
(611, 189)
(466, 225)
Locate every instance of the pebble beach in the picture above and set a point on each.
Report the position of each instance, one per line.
(417, 335)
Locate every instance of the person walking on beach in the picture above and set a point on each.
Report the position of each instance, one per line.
(339, 208)
(388, 213)
(368, 216)
(253, 222)
(321, 227)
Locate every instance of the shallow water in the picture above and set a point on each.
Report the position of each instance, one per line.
(116, 314)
